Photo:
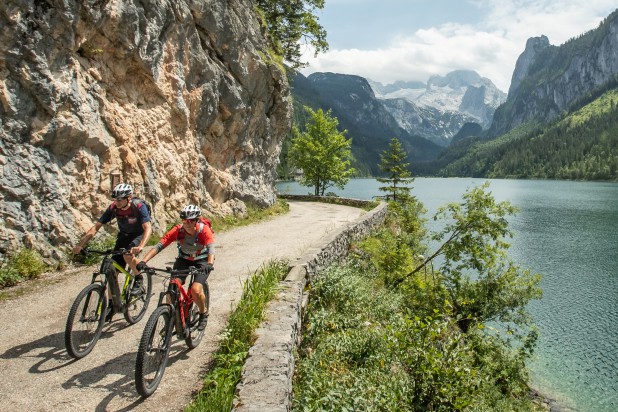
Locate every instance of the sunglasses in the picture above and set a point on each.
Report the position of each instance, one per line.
(189, 220)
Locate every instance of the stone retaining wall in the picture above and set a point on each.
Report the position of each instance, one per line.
(266, 382)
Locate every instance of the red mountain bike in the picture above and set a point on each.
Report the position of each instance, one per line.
(177, 310)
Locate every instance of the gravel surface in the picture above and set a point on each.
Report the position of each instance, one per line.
(37, 374)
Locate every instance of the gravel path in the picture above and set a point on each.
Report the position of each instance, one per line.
(38, 375)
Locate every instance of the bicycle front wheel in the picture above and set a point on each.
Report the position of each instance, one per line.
(85, 321)
(136, 305)
(195, 336)
(153, 351)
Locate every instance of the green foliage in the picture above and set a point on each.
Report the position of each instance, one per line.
(582, 145)
(397, 170)
(26, 264)
(220, 382)
(363, 350)
(394, 249)
(369, 345)
(322, 152)
(291, 23)
(104, 242)
(474, 246)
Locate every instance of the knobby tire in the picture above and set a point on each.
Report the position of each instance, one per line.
(153, 351)
(135, 306)
(85, 321)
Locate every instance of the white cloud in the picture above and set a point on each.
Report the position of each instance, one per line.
(490, 47)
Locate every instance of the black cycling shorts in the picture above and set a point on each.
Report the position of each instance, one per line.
(184, 264)
(125, 241)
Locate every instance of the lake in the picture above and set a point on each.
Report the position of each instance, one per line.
(568, 232)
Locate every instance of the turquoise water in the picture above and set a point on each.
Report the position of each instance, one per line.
(567, 231)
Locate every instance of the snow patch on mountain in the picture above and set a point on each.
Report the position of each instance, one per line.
(438, 109)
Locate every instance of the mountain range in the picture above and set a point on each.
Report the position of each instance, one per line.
(367, 121)
(446, 118)
(438, 109)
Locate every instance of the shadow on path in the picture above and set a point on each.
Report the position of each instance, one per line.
(117, 377)
(51, 349)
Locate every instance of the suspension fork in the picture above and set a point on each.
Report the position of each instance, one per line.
(94, 280)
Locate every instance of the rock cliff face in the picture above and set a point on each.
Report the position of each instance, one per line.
(548, 79)
(534, 46)
(178, 96)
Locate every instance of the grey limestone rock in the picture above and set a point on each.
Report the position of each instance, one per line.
(179, 97)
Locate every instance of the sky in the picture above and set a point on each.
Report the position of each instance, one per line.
(389, 40)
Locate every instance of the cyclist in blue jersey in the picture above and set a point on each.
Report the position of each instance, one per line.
(134, 227)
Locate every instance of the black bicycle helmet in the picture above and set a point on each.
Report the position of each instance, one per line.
(190, 212)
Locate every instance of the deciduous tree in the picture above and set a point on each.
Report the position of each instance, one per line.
(322, 152)
(291, 23)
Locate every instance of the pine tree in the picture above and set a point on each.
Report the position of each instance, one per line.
(394, 164)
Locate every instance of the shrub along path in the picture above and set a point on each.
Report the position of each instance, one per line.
(38, 374)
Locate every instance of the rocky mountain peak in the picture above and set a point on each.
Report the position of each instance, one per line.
(456, 79)
(438, 109)
(534, 46)
(548, 79)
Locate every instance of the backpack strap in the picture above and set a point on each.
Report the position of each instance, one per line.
(181, 236)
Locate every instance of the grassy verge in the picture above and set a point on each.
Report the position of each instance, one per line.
(220, 383)
(364, 350)
(380, 334)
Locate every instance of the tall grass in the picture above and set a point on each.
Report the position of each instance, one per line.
(364, 349)
(220, 383)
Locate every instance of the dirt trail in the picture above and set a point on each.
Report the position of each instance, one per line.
(38, 375)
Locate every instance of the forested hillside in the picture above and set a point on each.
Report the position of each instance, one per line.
(368, 123)
(582, 145)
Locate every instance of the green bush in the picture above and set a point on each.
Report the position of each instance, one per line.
(26, 264)
(388, 332)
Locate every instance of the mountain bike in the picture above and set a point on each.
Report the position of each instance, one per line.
(176, 309)
(91, 308)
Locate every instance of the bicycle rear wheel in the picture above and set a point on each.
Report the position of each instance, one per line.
(135, 306)
(195, 336)
(85, 321)
(153, 352)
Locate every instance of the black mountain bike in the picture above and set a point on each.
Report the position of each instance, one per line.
(92, 307)
(177, 310)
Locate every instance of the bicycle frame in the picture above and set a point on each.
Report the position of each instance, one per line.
(180, 301)
(107, 278)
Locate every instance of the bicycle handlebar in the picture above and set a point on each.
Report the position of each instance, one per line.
(112, 252)
(174, 272)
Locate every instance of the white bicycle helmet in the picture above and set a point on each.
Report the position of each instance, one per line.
(122, 191)
(190, 212)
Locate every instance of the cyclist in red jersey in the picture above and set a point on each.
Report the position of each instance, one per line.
(195, 248)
